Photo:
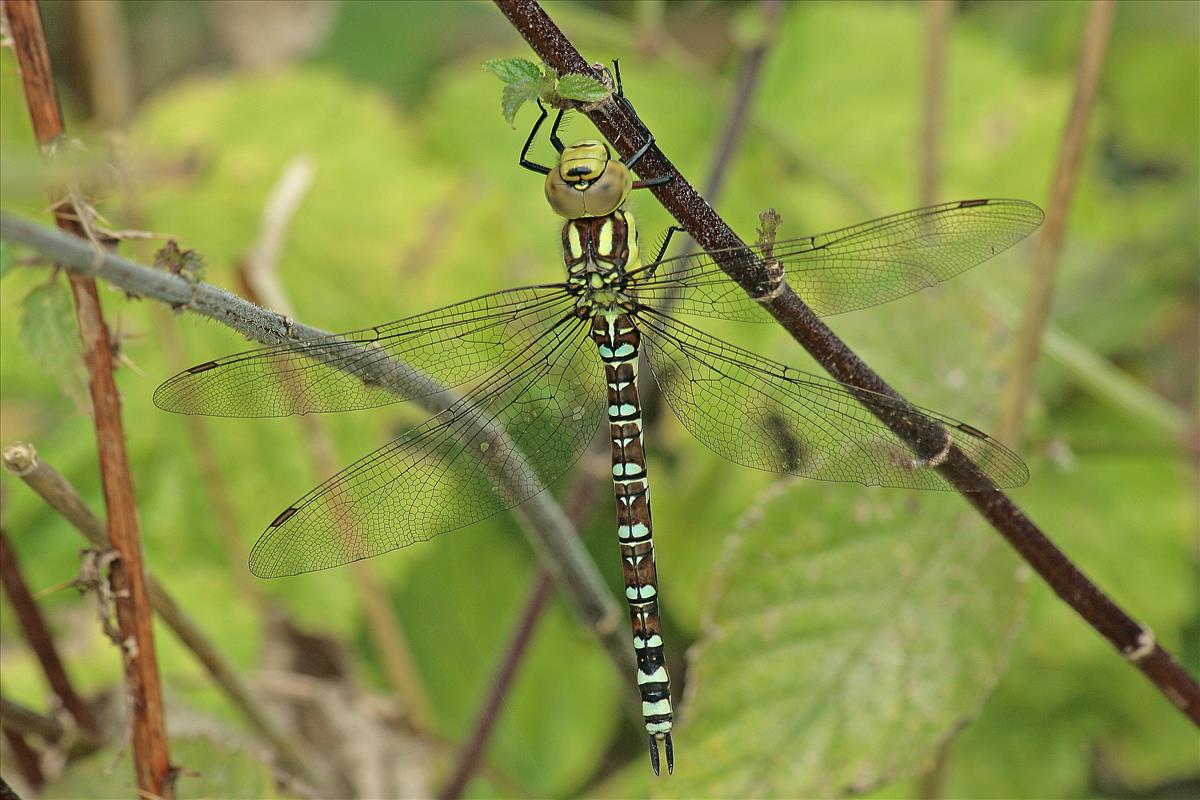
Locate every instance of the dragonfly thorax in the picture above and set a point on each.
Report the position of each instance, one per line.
(587, 181)
(599, 253)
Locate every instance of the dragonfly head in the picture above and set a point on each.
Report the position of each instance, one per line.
(587, 182)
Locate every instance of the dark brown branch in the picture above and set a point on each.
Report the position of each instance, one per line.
(152, 764)
(1131, 639)
(23, 461)
(1044, 272)
(37, 633)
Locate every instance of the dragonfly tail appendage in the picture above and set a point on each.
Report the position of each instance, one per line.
(665, 738)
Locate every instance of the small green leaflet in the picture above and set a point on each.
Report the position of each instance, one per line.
(526, 81)
(582, 88)
(48, 332)
(514, 70)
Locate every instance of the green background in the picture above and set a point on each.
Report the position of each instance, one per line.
(823, 638)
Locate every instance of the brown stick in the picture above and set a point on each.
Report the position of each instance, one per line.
(152, 763)
(23, 461)
(1132, 640)
(1044, 272)
(37, 633)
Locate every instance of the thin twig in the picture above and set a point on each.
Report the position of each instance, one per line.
(744, 92)
(1130, 638)
(1094, 373)
(152, 763)
(471, 756)
(23, 461)
(31, 723)
(1044, 271)
(937, 22)
(104, 41)
(41, 641)
(262, 285)
(27, 759)
(736, 120)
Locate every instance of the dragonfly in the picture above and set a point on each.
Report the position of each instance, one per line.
(525, 378)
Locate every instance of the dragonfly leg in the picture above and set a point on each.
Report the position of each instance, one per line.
(631, 162)
(662, 250)
(554, 140)
(524, 161)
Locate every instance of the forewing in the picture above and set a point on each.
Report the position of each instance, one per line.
(762, 414)
(856, 267)
(524, 425)
(413, 357)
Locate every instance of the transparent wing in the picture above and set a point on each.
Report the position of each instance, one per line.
(762, 414)
(856, 267)
(525, 424)
(369, 367)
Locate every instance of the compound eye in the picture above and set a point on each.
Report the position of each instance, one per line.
(608, 193)
(564, 198)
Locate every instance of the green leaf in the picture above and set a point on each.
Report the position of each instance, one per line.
(211, 768)
(582, 88)
(514, 97)
(844, 643)
(514, 70)
(880, 635)
(524, 80)
(48, 332)
(6, 258)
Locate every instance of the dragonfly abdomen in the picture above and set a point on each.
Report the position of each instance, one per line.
(618, 341)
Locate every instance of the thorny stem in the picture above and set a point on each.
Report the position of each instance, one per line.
(23, 461)
(1044, 272)
(152, 763)
(1131, 639)
(553, 535)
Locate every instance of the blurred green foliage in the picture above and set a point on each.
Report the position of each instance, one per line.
(835, 636)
